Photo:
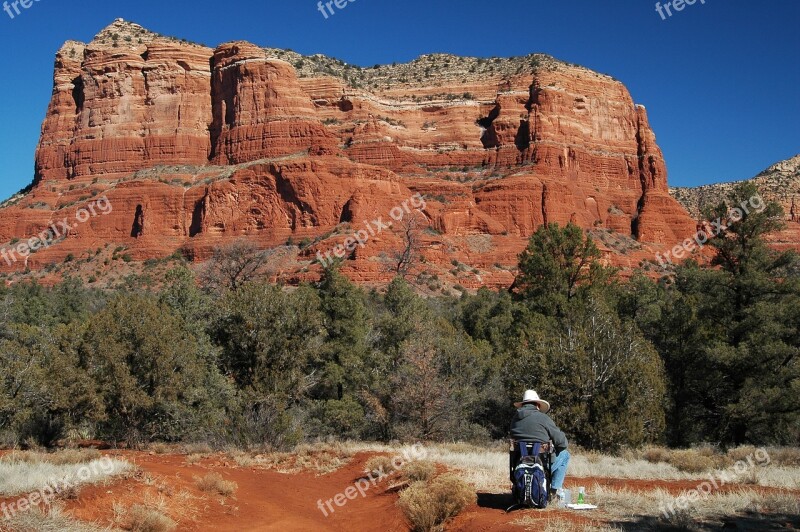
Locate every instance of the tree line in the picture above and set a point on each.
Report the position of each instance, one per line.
(707, 353)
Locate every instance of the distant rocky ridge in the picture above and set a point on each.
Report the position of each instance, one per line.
(195, 147)
(780, 183)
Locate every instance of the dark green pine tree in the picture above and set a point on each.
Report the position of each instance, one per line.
(558, 265)
(758, 378)
(345, 355)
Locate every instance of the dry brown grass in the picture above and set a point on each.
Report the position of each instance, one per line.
(193, 459)
(197, 448)
(214, 483)
(26, 472)
(560, 525)
(419, 471)
(781, 471)
(58, 458)
(776, 503)
(692, 461)
(625, 504)
(779, 456)
(428, 506)
(740, 453)
(380, 465)
(784, 456)
(160, 448)
(176, 506)
(244, 459)
(144, 519)
(51, 519)
(320, 458)
(656, 455)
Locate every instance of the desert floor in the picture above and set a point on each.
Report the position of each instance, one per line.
(281, 492)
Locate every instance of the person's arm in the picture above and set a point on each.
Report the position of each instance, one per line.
(511, 431)
(557, 437)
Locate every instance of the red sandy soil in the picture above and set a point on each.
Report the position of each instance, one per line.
(265, 499)
(268, 500)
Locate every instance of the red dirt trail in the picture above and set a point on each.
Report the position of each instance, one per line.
(265, 499)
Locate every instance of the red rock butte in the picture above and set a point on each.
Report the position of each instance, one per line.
(195, 147)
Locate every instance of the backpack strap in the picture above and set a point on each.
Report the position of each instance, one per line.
(523, 449)
(536, 448)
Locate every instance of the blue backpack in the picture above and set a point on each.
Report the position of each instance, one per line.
(530, 481)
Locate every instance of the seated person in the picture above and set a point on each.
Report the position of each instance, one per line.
(532, 424)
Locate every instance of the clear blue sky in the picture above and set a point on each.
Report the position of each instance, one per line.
(720, 80)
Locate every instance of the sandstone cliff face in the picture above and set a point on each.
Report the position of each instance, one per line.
(259, 109)
(194, 146)
(116, 108)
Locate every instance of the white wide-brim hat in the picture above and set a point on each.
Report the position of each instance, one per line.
(532, 397)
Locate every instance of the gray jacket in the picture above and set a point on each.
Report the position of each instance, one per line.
(529, 424)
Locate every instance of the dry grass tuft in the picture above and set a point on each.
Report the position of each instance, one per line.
(160, 448)
(560, 525)
(740, 453)
(785, 456)
(697, 460)
(193, 459)
(51, 519)
(58, 458)
(27, 472)
(380, 464)
(158, 511)
(197, 448)
(419, 471)
(427, 506)
(144, 519)
(656, 455)
(692, 461)
(776, 503)
(625, 504)
(244, 459)
(214, 483)
(321, 458)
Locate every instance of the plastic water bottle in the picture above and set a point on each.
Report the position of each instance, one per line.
(581, 495)
(561, 498)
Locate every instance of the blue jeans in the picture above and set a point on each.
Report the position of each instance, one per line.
(559, 469)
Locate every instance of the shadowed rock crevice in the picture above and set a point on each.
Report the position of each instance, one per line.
(489, 137)
(347, 212)
(78, 95)
(138, 222)
(523, 138)
(196, 227)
